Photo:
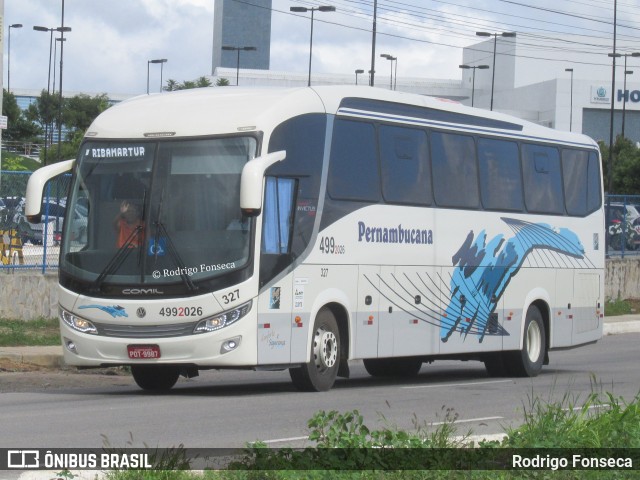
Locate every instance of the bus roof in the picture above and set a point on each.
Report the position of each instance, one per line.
(224, 110)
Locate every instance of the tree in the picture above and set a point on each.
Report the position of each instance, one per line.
(626, 166)
(79, 111)
(222, 82)
(77, 114)
(201, 82)
(19, 127)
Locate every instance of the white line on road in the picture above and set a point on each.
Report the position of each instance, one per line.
(469, 420)
(456, 384)
(291, 439)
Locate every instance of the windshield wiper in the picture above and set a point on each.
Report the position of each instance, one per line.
(118, 258)
(173, 251)
(123, 252)
(159, 226)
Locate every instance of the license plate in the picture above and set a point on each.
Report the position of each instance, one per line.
(143, 352)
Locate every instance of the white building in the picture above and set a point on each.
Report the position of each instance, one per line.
(531, 82)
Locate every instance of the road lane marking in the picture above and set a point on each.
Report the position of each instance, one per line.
(412, 387)
(281, 440)
(468, 420)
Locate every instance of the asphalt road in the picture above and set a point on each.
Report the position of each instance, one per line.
(229, 408)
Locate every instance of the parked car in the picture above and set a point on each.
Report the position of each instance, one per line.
(623, 226)
(34, 233)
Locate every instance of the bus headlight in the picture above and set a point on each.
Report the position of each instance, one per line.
(224, 319)
(77, 323)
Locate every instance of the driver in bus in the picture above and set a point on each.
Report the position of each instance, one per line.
(126, 223)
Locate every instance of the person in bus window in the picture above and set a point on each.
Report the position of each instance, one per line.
(126, 222)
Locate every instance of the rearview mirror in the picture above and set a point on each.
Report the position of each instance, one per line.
(252, 181)
(35, 188)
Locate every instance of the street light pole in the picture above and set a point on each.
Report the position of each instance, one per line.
(473, 82)
(495, 45)
(615, 55)
(624, 97)
(238, 49)
(62, 29)
(15, 25)
(161, 61)
(571, 99)
(322, 8)
(391, 58)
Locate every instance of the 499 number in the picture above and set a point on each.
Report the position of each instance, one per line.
(328, 245)
(181, 311)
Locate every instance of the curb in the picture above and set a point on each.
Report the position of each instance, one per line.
(49, 356)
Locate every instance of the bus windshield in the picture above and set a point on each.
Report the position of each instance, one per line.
(157, 212)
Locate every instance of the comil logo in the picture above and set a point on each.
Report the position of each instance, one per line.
(23, 459)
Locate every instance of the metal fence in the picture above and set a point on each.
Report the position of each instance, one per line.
(25, 245)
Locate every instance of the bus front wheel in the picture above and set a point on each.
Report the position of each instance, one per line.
(319, 374)
(528, 361)
(155, 377)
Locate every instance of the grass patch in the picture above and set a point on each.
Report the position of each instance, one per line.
(20, 333)
(621, 307)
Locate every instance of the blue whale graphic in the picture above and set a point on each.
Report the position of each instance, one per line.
(483, 269)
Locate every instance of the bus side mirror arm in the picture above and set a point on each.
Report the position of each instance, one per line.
(252, 181)
(35, 187)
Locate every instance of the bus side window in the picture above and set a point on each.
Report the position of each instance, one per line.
(353, 168)
(455, 171)
(542, 179)
(500, 175)
(278, 215)
(404, 158)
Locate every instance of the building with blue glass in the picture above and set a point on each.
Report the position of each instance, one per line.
(241, 24)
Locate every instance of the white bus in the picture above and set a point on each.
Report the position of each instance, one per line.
(305, 228)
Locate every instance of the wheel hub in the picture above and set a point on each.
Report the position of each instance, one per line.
(325, 349)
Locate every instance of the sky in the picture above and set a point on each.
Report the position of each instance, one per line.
(112, 40)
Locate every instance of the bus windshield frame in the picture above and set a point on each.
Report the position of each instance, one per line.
(160, 215)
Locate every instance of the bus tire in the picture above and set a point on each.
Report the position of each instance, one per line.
(494, 363)
(393, 367)
(155, 377)
(528, 361)
(319, 374)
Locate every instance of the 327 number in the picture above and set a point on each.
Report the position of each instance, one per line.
(231, 297)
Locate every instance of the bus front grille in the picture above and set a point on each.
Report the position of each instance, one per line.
(145, 331)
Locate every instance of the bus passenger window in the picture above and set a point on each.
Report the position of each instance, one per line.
(500, 177)
(404, 159)
(455, 172)
(353, 168)
(542, 179)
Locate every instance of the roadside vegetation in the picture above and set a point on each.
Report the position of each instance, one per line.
(621, 307)
(19, 333)
(348, 449)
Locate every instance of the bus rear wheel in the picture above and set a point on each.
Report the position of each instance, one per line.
(319, 374)
(155, 377)
(393, 367)
(528, 361)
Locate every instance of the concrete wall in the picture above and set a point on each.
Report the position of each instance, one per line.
(623, 278)
(29, 295)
